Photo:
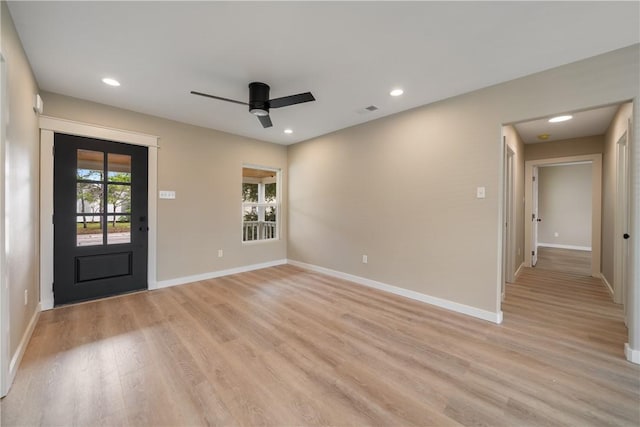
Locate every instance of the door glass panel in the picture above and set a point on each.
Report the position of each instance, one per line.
(119, 198)
(89, 230)
(119, 167)
(118, 229)
(89, 198)
(90, 165)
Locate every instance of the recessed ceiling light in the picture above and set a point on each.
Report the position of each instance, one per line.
(288, 131)
(110, 81)
(560, 119)
(396, 92)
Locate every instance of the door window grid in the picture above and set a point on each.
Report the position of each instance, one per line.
(103, 217)
(260, 204)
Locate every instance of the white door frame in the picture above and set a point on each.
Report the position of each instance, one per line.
(48, 127)
(4, 286)
(509, 243)
(621, 223)
(596, 204)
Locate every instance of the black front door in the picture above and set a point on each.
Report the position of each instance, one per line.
(100, 218)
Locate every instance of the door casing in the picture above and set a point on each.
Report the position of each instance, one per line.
(596, 204)
(48, 127)
(509, 243)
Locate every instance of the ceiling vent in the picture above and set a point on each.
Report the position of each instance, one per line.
(368, 109)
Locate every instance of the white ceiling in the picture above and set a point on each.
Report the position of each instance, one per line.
(348, 54)
(584, 123)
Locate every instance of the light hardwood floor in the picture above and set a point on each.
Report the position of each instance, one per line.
(285, 346)
(566, 260)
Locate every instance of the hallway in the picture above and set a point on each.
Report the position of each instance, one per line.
(564, 260)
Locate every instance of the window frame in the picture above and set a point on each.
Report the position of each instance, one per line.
(261, 203)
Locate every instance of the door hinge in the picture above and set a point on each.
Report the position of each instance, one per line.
(53, 150)
(533, 253)
(52, 219)
(534, 178)
(533, 217)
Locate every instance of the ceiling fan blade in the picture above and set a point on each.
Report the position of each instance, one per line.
(291, 100)
(218, 97)
(265, 121)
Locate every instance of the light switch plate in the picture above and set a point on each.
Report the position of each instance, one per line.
(480, 193)
(167, 194)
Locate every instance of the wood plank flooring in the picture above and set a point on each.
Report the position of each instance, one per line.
(284, 346)
(566, 260)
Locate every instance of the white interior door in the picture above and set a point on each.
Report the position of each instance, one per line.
(621, 250)
(534, 218)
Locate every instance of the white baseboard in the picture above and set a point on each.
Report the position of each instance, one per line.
(554, 245)
(519, 270)
(212, 275)
(632, 355)
(606, 282)
(439, 302)
(22, 347)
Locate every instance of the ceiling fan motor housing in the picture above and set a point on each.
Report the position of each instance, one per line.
(259, 99)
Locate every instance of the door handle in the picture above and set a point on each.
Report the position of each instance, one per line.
(144, 228)
(539, 219)
(625, 236)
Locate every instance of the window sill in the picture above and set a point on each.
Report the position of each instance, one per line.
(258, 242)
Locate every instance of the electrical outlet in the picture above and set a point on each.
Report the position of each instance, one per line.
(220, 253)
(26, 296)
(365, 259)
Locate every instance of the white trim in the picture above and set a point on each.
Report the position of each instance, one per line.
(71, 127)
(559, 246)
(632, 355)
(585, 162)
(4, 289)
(607, 284)
(439, 302)
(46, 219)
(519, 270)
(212, 275)
(596, 204)
(22, 347)
(51, 125)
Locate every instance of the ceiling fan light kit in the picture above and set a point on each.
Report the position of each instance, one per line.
(259, 102)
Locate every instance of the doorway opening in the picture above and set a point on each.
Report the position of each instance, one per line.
(597, 142)
(561, 222)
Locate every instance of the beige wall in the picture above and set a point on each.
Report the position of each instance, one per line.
(204, 167)
(564, 205)
(513, 140)
(402, 189)
(616, 129)
(564, 148)
(21, 185)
